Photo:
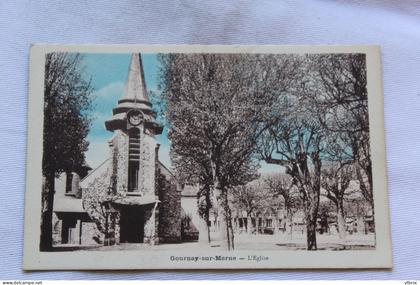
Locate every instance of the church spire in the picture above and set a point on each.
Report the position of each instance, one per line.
(135, 87)
(134, 97)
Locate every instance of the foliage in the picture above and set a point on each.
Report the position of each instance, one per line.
(303, 112)
(250, 197)
(93, 200)
(67, 117)
(344, 100)
(325, 122)
(67, 113)
(281, 187)
(212, 112)
(214, 106)
(100, 195)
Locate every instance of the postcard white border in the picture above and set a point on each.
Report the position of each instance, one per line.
(380, 257)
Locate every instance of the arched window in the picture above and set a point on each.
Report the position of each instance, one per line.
(133, 160)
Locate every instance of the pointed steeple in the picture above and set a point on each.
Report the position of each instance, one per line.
(135, 92)
(135, 87)
(134, 97)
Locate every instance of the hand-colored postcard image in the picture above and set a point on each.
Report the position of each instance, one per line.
(206, 157)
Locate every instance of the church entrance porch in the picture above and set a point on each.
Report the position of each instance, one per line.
(131, 224)
(137, 220)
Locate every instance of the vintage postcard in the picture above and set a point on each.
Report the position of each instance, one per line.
(206, 157)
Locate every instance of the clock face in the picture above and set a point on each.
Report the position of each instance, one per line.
(135, 117)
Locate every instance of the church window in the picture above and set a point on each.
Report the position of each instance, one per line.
(133, 160)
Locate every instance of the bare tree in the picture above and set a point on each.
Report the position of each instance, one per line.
(344, 100)
(249, 198)
(296, 138)
(299, 148)
(204, 207)
(297, 111)
(213, 111)
(297, 142)
(336, 181)
(327, 120)
(281, 185)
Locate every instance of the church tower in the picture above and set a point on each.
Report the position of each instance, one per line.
(134, 155)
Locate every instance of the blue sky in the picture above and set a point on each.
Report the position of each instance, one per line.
(109, 74)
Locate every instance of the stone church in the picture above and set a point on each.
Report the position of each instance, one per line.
(131, 196)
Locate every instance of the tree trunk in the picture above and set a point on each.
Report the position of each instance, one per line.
(47, 212)
(203, 232)
(107, 239)
(291, 227)
(309, 188)
(208, 229)
(204, 222)
(257, 225)
(276, 223)
(289, 224)
(341, 221)
(207, 214)
(249, 224)
(311, 221)
(230, 228)
(360, 225)
(225, 232)
(373, 218)
(311, 233)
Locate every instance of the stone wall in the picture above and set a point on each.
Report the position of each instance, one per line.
(162, 221)
(119, 151)
(120, 144)
(169, 209)
(147, 165)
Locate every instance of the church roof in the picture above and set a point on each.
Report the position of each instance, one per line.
(134, 97)
(135, 88)
(95, 173)
(135, 91)
(68, 204)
